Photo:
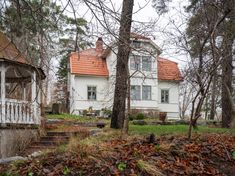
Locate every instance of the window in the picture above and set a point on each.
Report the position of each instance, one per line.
(136, 44)
(91, 93)
(135, 92)
(135, 62)
(146, 63)
(140, 62)
(146, 93)
(164, 96)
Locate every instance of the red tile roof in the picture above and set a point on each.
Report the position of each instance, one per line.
(168, 70)
(88, 62)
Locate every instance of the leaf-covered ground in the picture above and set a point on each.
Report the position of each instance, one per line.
(212, 154)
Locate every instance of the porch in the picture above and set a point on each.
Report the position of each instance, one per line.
(20, 95)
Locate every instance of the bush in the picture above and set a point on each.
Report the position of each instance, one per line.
(139, 122)
(131, 117)
(140, 116)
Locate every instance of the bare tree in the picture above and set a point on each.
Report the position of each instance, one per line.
(119, 105)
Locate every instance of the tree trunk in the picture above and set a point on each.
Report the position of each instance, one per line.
(213, 94)
(126, 121)
(227, 73)
(120, 92)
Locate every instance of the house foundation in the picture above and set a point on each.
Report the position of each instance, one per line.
(14, 141)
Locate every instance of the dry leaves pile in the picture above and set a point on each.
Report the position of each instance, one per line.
(205, 155)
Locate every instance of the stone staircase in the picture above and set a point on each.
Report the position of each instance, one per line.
(50, 141)
(55, 137)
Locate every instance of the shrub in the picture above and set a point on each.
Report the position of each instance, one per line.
(139, 122)
(108, 112)
(131, 117)
(140, 116)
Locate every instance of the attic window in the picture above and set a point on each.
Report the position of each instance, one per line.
(136, 44)
(135, 62)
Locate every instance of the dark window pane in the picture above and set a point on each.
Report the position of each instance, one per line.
(146, 92)
(135, 92)
(164, 96)
(146, 63)
(91, 93)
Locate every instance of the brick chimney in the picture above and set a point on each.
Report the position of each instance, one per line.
(99, 45)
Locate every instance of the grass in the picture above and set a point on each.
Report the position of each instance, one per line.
(62, 116)
(174, 129)
(145, 129)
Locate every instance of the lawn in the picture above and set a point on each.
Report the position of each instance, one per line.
(62, 116)
(145, 129)
(174, 129)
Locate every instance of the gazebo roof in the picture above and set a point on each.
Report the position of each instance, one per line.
(10, 53)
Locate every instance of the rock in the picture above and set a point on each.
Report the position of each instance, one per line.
(52, 121)
(36, 154)
(139, 122)
(100, 125)
(95, 132)
(151, 139)
(10, 159)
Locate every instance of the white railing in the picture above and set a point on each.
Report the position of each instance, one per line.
(18, 112)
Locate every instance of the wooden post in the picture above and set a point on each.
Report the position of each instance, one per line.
(34, 98)
(24, 91)
(3, 92)
(39, 103)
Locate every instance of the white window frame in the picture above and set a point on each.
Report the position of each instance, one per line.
(143, 98)
(134, 65)
(136, 44)
(92, 90)
(149, 60)
(168, 100)
(132, 92)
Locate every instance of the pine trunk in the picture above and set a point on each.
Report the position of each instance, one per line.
(227, 73)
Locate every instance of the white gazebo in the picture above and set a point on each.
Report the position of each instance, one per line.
(20, 92)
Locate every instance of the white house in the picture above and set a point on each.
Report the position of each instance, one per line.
(154, 80)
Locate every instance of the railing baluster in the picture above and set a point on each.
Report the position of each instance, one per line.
(17, 111)
(20, 113)
(8, 116)
(13, 119)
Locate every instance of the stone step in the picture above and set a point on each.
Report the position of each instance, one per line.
(50, 143)
(55, 133)
(54, 138)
